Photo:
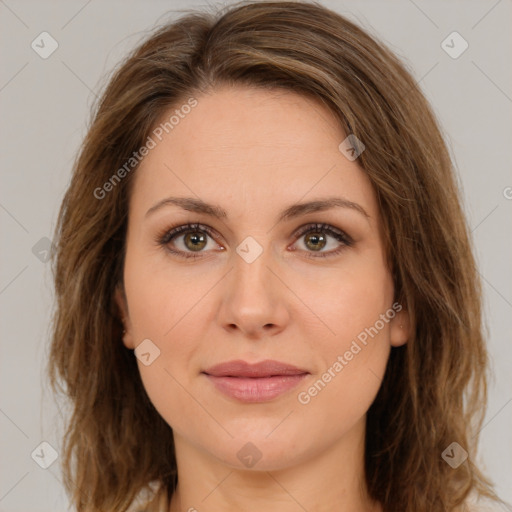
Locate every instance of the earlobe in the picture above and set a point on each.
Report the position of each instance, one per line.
(120, 300)
(400, 328)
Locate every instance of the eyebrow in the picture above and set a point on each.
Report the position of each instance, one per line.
(199, 206)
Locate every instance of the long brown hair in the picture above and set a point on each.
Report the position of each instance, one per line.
(434, 390)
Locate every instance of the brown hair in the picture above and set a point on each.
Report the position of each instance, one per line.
(434, 390)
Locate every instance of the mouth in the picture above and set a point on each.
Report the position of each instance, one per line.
(260, 382)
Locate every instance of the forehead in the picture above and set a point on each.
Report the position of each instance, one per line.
(241, 144)
(230, 121)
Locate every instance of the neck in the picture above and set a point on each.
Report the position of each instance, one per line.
(331, 480)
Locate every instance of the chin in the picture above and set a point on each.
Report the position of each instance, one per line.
(257, 452)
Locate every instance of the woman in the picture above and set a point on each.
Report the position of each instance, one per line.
(266, 295)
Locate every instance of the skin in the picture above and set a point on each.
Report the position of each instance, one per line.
(254, 153)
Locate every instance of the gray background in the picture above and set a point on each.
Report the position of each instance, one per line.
(44, 105)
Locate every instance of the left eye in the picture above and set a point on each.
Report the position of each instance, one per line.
(316, 238)
(195, 239)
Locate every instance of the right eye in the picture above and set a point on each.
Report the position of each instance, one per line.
(192, 237)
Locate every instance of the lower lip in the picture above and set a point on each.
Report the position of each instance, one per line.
(247, 389)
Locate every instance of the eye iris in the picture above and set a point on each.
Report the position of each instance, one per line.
(195, 238)
(315, 238)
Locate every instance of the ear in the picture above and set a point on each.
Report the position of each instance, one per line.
(400, 328)
(120, 299)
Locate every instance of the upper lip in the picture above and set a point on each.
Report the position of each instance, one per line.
(267, 368)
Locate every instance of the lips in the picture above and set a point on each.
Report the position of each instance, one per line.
(267, 368)
(260, 382)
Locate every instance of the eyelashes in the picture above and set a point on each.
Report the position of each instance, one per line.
(169, 235)
(339, 235)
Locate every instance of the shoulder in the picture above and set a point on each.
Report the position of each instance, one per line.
(482, 504)
(154, 501)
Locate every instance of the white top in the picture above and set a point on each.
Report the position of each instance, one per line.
(473, 504)
(486, 505)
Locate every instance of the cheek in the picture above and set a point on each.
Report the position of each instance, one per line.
(164, 307)
(347, 300)
(352, 366)
(353, 350)
(162, 296)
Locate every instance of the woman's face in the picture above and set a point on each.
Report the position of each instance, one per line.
(256, 280)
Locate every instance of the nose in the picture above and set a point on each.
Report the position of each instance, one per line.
(254, 298)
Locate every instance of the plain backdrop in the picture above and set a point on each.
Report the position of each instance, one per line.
(45, 105)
